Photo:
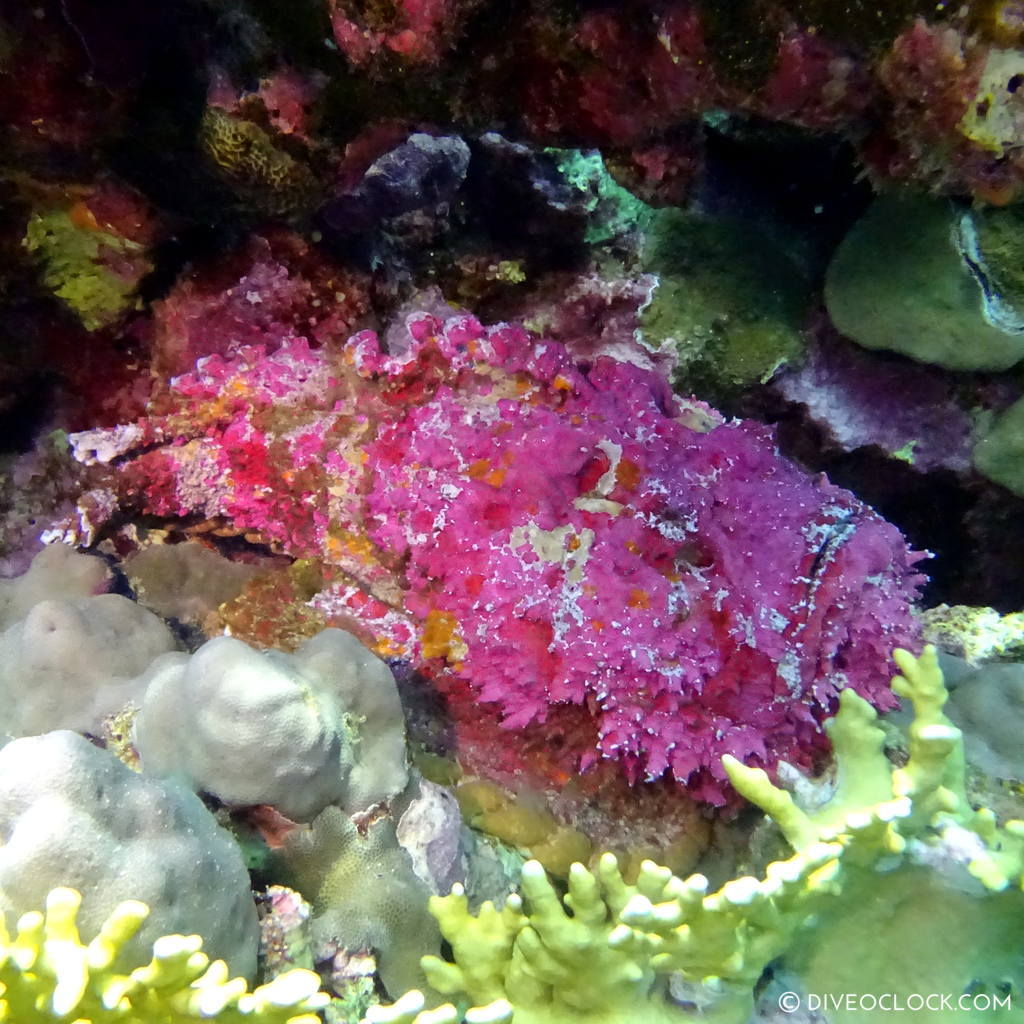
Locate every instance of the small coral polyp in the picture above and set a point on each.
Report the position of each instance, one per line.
(563, 535)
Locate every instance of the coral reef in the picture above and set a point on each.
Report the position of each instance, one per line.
(71, 814)
(636, 553)
(247, 157)
(55, 571)
(858, 400)
(891, 849)
(94, 251)
(187, 581)
(977, 635)
(926, 94)
(277, 288)
(37, 488)
(730, 302)
(47, 973)
(390, 601)
(299, 732)
(68, 661)
(988, 707)
(902, 280)
(411, 31)
(330, 860)
(998, 452)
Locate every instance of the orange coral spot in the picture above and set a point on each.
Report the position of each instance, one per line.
(479, 469)
(627, 474)
(597, 624)
(495, 478)
(388, 648)
(344, 542)
(82, 217)
(997, 195)
(639, 598)
(273, 826)
(632, 547)
(440, 635)
(561, 384)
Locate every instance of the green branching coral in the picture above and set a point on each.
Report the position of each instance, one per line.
(918, 865)
(47, 974)
(890, 853)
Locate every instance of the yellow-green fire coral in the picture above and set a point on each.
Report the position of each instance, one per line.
(888, 854)
(95, 272)
(47, 974)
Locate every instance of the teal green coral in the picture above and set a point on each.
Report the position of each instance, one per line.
(73, 268)
(886, 854)
(614, 210)
(47, 974)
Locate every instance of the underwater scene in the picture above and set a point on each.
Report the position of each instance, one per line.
(511, 511)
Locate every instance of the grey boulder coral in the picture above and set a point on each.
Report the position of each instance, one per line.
(301, 732)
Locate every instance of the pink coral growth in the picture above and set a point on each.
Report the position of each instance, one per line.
(287, 97)
(956, 120)
(639, 77)
(261, 296)
(815, 84)
(934, 100)
(416, 31)
(566, 535)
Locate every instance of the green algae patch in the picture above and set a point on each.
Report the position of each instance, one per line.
(95, 273)
(999, 455)
(730, 302)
